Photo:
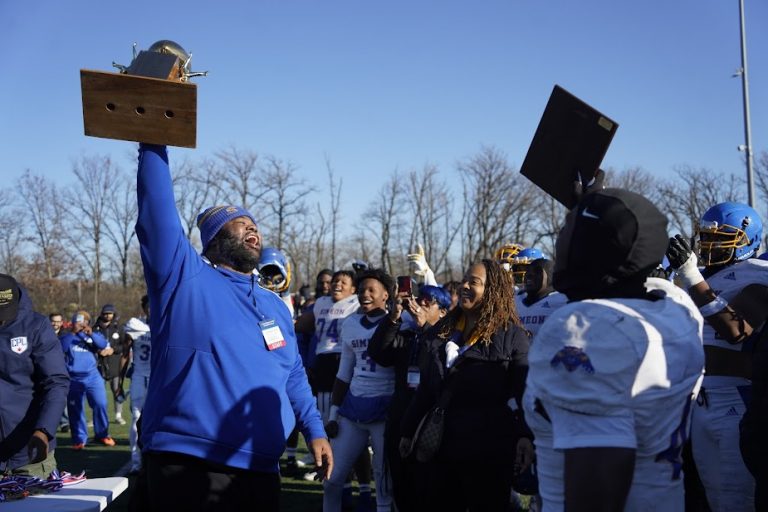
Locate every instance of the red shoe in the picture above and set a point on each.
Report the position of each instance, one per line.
(78, 446)
(107, 441)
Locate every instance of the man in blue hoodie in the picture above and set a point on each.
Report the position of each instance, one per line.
(227, 383)
(33, 384)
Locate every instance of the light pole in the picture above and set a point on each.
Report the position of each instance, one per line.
(747, 147)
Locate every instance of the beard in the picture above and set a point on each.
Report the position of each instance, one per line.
(228, 249)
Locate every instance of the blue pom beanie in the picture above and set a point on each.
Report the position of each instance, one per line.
(212, 219)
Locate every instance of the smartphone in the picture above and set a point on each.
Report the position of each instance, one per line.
(404, 286)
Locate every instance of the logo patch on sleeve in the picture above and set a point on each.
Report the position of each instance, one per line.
(572, 358)
(19, 345)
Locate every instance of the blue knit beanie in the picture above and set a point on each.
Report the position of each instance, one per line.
(212, 219)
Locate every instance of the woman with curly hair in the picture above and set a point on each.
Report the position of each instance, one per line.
(479, 353)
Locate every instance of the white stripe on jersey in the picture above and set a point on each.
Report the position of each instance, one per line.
(534, 315)
(365, 377)
(727, 283)
(328, 318)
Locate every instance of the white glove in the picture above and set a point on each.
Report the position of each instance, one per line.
(451, 353)
(689, 273)
(420, 266)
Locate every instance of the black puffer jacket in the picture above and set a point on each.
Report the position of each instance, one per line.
(479, 424)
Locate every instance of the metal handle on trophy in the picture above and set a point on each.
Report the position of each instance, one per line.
(151, 100)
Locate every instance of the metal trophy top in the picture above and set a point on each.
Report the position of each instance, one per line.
(151, 100)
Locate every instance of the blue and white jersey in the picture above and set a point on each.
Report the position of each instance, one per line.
(618, 373)
(533, 316)
(138, 330)
(727, 283)
(328, 318)
(365, 377)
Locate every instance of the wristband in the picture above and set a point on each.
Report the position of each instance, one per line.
(714, 307)
(333, 414)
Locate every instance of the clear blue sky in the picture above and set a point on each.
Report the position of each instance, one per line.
(395, 84)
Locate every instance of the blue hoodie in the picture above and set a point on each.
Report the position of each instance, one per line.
(216, 391)
(33, 383)
(80, 352)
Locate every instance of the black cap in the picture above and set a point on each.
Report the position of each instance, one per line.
(9, 298)
(612, 236)
(570, 142)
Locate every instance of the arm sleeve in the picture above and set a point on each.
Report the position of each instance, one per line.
(158, 227)
(99, 341)
(303, 403)
(517, 372)
(386, 343)
(51, 377)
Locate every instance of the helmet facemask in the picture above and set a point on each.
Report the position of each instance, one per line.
(719, 243)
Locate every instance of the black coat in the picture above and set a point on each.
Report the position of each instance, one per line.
(479, 424)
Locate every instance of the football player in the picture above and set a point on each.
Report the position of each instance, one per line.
(275, 274)
(613, 373)
(731, 296)
(539, 299)
(506, 253)
(520, 264)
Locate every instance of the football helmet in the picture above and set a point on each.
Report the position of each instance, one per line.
(521, 261)
(729, 232)
(274, 270)
(505, 253)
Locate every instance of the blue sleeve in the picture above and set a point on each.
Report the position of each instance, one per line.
(303, 403)
(158, 228)
(51, 376)
(99, 341)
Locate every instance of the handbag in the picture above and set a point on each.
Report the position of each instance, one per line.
(429, 432)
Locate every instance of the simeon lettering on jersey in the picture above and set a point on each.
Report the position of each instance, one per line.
(365, 377)
(533, 316)
(617, 373)
(328, 318)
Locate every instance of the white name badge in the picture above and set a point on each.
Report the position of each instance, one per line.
(272, 335)
(413, 377)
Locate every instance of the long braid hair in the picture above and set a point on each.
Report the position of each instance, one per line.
(497, 306)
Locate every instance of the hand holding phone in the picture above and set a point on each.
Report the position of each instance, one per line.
(404, 286)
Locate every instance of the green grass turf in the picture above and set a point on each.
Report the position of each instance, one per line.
(99, 461)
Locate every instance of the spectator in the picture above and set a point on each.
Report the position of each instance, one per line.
(57, 322)
(361, 393)
(453, 288)
(112, 367)
(613, 372)
(479, 352)
(139, 341)
(539, 298)
(227, 382)
(81, 346)
(33, 385)
(394, 345)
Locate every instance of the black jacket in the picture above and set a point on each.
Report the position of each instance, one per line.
(479, 424)
(110, 366)
(34, 383)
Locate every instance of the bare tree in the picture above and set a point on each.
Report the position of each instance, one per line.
(11, 235)
(121, 215)
(685, 199)
(88, 204)
(335, 207)
(237, 178)
(385, 217)
(497, 204)
(433, 221)
(44, 209)
(283, 196)
(195, 187)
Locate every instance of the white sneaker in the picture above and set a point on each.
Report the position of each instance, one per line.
(311, 476)
(307, 460)
(120, 420)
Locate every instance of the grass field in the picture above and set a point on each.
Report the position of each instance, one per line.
(98, 461)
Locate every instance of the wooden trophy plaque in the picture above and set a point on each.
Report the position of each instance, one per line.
(149, 101)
